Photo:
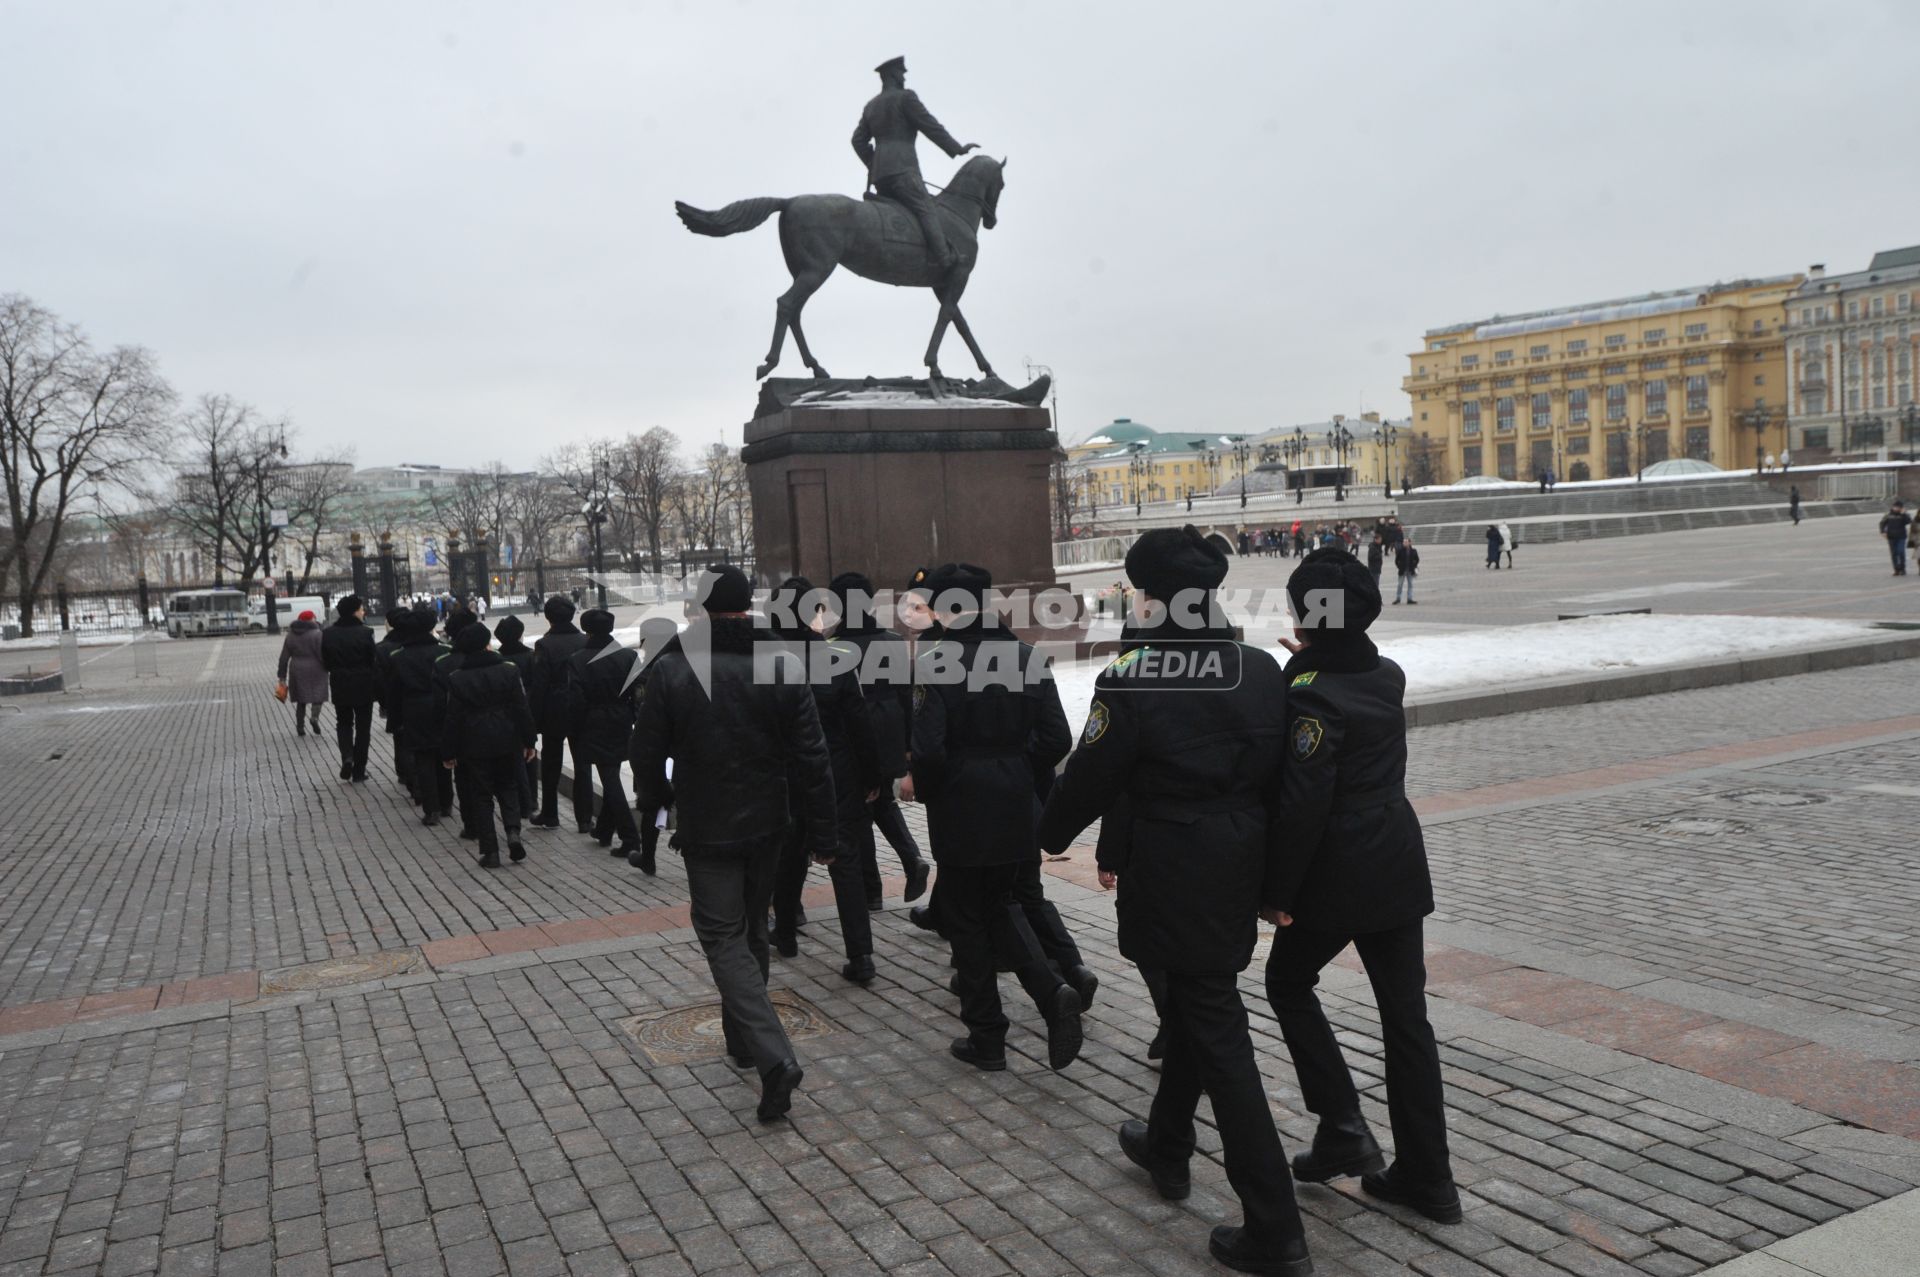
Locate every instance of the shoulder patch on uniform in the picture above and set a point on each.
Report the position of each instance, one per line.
(1097, 721)
(1301, 680)
(1119, 663)
(1307, 735)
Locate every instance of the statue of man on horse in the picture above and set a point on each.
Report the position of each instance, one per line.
(904, 237)
(884, 141)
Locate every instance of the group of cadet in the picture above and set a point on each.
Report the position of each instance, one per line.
(1227, 787)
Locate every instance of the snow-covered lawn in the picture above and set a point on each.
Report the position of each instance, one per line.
(108, 639)
(1500, 655)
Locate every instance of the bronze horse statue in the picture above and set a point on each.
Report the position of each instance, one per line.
(877, 239)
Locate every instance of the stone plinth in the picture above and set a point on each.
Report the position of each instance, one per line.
(887, 489)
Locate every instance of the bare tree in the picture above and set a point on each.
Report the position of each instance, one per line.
(73, 422)
(647, 469)
(314, 493)
(585, 472)
(539, 509)
(710, 502)
(237, 474)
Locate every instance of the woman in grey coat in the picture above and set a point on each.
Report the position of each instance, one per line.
(304, 673)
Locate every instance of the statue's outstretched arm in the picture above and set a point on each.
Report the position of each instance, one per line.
(931, 128)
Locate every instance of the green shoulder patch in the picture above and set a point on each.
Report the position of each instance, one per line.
(1301, 680)
(1307, 735)
(919, 696)
(1120, 663)
(1097, 720)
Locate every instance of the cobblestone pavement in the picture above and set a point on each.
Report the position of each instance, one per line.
(1671, 977)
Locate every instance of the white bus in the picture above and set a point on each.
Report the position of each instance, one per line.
(287, 611)
(194, 612)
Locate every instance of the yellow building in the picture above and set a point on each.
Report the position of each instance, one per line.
(1127, 462)
(1601, 390)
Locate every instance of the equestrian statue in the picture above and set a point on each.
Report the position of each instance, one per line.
(896, 235)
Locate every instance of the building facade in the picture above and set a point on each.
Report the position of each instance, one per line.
(1604, 389)
(1852, 346)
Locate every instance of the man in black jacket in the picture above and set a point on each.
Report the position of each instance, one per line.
(987, 725)
(1406, 565)
(602, 687)
(737, 743)
(420, 697)
(1351, 867)
(346, 650)
(489, 734)
(383, 680)
(842, 711)
(549, 695)
(886, 676)
(1183, 745)
(509, 632)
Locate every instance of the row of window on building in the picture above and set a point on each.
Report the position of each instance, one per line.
(1540, 406)
(1655, 447)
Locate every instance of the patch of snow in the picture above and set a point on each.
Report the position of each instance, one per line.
(86, 640)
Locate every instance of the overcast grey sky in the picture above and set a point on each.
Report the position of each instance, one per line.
(445, 233)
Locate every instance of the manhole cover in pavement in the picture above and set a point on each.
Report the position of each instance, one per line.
(687, 1035)
(332, 973)
(1774, 798)
(1695, 826)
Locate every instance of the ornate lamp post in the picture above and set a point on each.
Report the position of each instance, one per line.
(1138, 469)
(1910, 428)
(1242, 452)
(1759, 418)
(1387, 437)
(1340, 439)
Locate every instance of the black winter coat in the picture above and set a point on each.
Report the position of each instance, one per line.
(737, 745)
(1376, 555)
(419, 695)
(1406, 559)
(842, 709)
(346, 649)
(600, 697)
(1183, 746)
(981, 753)
(487, 714)
(520, 656)
(1349, 856)
(383, 674)
(548, 693)
(886, 677)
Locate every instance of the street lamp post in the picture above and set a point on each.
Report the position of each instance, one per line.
(1910, 428)
(1640, 452)
(1758, 418)
(1242, 451)
(1138, 468)
(1340, 439)
(1386, 437)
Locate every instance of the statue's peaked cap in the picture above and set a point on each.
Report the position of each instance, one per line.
(893, 64)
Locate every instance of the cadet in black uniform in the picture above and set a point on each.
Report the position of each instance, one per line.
(1187, 733)
(419, 702)
(516, 653)
(983, 730)
(550, 698)
(602, 690)
(1353, 868)
(489, 734)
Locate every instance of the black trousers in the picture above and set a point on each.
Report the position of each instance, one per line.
(1045, 921)
(1210, 1051)
(353, 728)
(616, 816)
(978, 916)
(553, 746)
(849, 890)
(432, 783)
(487, 781)
(1396, 967)
(884, 813)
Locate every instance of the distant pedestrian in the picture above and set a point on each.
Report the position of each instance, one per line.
(488, 735)
(1376, 556)
(551, 697)
(303, 672)
(1895, 528)
(347, 650)
(1507, 544)
(516, 653)
(1793, 503)
(1493, 547)
(1406, 563)
(1544, 480)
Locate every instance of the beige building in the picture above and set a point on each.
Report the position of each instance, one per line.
(1604, 389)
(1852, 347)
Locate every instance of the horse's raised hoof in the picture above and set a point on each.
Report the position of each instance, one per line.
(820, 374)
(760, 373)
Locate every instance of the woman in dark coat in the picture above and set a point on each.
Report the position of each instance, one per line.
(304, 672)
(1494, 541)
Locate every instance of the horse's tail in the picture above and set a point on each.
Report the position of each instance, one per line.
(741, 215)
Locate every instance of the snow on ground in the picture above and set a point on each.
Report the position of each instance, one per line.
(1492, 656)
(109, 639)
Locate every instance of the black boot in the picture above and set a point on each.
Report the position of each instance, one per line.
(968, 1051)
(1064, 1035)
(1157, 1049)
(299, 724)
(1232, 1247)
(1084, 982)
(786, 944)
(1341, 1146)
(643, 861)
(516, 850)
(624, 850)
(346, 769)
(1438, 1202)
(918, 871)
(490, 860)
(777, 1088)
(921, 916)
(859, 970)
(1172, 1179)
